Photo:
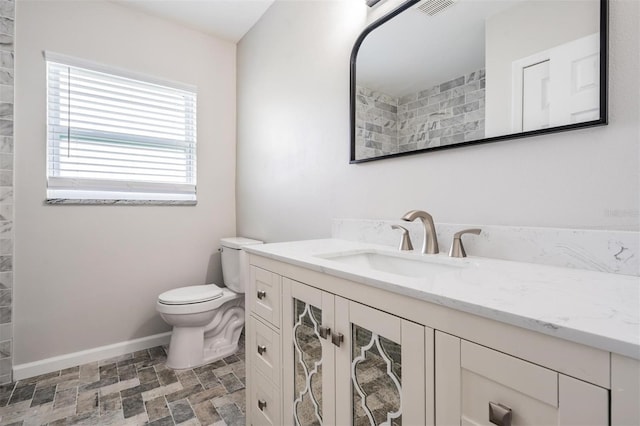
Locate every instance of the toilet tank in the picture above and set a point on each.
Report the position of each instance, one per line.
(235, 266)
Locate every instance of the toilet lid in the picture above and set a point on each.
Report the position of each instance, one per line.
(191, 294)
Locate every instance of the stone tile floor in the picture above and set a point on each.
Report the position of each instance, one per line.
(132, 389)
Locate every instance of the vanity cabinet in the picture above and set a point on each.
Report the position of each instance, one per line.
(323, 350)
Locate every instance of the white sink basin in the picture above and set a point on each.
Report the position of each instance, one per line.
(410, 265)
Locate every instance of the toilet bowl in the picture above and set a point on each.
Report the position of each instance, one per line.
(207, 319)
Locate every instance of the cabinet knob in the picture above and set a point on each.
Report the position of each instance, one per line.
(261, 349)
(262, 404)
(337, 339)
(499, 414)
(262, 294)
(324, 331)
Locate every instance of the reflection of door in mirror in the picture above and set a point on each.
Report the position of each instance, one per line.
(575, 78)
(529, 40)
(534, 91)
(556, 87)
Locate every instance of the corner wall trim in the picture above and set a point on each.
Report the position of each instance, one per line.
(48, 365)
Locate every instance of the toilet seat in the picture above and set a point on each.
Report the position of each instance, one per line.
(191, 294)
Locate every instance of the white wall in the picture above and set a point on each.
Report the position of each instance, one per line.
(293, 143)
(530, 27)
(87, 276)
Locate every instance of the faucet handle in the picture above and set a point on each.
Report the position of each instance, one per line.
(457, 249)
(405, 243)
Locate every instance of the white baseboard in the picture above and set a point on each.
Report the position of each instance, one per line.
(30, 369)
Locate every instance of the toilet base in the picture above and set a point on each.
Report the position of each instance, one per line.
(185, 348)
(192, 347)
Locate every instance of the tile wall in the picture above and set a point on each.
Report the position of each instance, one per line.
(376, 123)
(448, 113)
(7, 14)
(445, 114)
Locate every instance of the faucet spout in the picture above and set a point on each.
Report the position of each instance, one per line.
(430, 240)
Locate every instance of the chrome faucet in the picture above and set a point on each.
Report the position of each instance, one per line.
(430, 241)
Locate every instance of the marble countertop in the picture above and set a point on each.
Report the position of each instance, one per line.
(597, 309)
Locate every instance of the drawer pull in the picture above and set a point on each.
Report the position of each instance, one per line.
(499, 414)
(262, 404)
(262, 294)
(261, 349)
(324, 332)
(337, 339)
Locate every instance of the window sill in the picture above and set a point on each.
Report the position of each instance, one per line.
(89, 202)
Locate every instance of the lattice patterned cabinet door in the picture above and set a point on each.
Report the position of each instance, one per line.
(343, 362)
(308, 355)
(371, 388)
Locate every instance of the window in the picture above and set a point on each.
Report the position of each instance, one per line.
(115, 136)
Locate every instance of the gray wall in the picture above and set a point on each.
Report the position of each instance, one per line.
(88, 276)
(293, 143)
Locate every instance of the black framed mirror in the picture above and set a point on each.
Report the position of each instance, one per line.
(440, 74)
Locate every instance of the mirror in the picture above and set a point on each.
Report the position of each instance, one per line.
(438, 74)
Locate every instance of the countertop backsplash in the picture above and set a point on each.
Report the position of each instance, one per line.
(595, 250)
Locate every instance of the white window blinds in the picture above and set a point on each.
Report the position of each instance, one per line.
(114, 137)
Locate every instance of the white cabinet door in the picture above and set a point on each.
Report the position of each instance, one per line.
(476, 385)
(380, 367)
(581, 403)
(625, 391)
(343, 363)
(307, 357)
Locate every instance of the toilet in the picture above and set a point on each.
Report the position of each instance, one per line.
(207, 319)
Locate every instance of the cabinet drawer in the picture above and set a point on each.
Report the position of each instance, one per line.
(264, 295)
(265, 399)
(264, 350)
(535, 395)
(490, 377)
